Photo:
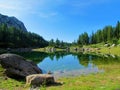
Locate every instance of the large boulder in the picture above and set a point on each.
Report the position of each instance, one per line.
(39, 79)
(17, 67)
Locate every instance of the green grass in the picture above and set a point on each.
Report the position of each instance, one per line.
(8, 83)
(110, 80)
(44, 49)
(112, 50)
(11, 84)
(105, 50)
(94, 45)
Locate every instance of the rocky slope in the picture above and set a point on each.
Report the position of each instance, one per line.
(12, 21)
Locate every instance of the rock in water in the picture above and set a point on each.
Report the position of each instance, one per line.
(39, 79)
(17, 67)
(12, 22)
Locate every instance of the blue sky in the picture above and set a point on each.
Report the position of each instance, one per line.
(63, 19)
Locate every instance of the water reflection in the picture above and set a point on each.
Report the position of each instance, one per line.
(70, 64)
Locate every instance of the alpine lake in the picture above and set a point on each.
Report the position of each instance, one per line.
(66, 64)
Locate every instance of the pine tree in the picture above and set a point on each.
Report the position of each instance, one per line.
(117, 30)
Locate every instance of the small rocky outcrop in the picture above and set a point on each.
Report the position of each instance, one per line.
(39, 79)
(17, 67)
(12, 22)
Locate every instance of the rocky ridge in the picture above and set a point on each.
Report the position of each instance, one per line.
(12, 22)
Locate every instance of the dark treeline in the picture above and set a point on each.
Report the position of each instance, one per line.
(58, 44)
(108, 34)
(11, 37)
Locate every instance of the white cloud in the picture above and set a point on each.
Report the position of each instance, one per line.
(18, 7)
(21, 8)
(44, 8)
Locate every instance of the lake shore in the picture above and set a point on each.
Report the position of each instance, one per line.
(108, 80)
(88, 49)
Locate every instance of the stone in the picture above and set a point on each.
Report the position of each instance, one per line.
(107, 45)
(113, 45)
(18, 67)
(39, 79)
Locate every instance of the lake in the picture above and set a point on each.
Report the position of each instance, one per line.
(71, 64)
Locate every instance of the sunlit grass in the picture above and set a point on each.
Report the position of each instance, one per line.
(111, 50)
(45, 50)
(109, 80)
(105, 50)
(8, 83)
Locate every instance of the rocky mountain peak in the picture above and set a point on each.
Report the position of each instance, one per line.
(12, 21)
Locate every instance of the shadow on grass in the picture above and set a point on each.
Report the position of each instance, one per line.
(55, 84)
(34, 87)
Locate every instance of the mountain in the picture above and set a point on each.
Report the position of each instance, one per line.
(12, 22)
(13, 34)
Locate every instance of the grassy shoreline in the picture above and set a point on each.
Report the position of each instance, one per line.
(109, 80)
(112, 50)
(102, 49)
(115, 50)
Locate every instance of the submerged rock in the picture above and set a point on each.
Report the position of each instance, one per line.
(18, 67)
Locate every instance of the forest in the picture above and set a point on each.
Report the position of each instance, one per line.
(108, 34)
(10, 37)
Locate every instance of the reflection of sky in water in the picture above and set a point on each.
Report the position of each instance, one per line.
(68, 64)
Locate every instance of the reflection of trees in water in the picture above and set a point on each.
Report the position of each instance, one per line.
(57, 55)
(51, 56)
(102, 60)
(40, 56)
(84, 59)
(34, 56)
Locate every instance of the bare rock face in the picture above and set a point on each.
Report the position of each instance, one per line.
(17, 67)
(39, 79)
(12, 22)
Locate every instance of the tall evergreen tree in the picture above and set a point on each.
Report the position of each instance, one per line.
(57, 42)
(117, 30)
(51, 42)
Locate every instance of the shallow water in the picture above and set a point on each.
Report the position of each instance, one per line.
(69, 65)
